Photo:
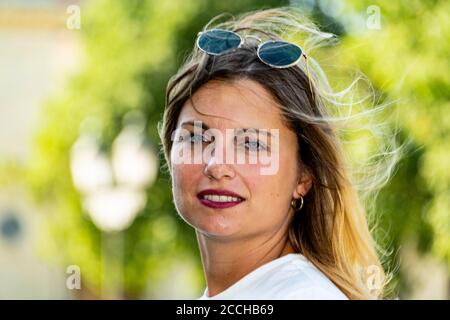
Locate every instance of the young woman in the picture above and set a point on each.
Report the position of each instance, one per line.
(298, 229)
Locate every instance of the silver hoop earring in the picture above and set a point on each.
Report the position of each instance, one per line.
(294, 204)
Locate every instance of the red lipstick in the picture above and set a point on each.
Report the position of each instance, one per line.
(219, 204)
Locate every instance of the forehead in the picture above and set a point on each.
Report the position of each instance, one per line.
(241, 103)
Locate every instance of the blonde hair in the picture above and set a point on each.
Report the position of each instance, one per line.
(332, 229)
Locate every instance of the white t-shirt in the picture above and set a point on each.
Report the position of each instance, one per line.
(291, 276)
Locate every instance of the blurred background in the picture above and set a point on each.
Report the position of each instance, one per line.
(85, 209)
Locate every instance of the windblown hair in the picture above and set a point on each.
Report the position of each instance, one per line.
(332, 230)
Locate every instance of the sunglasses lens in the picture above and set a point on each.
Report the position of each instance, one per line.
(218, 41)
(279, 53)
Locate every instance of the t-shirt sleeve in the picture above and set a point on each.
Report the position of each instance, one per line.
(316, 293)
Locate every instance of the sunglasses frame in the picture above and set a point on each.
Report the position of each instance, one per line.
(261, 43)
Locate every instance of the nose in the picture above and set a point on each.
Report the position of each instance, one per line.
(216, 166)
(216, 171)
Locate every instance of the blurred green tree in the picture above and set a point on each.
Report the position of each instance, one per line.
(406, 58)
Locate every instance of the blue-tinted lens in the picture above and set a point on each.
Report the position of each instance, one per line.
(279, 53)
(218, 41)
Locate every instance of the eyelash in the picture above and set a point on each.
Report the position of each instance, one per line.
(193, 135)
(261, 145)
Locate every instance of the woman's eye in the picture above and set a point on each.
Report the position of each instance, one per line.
(254, 145)
(198, 138)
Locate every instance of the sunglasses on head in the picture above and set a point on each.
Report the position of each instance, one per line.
(274, 53)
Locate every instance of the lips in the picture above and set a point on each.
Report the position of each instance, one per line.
(219, 198)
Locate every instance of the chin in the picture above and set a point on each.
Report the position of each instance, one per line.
(215, 225)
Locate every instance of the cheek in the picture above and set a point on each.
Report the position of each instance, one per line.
(181, 172)
(271, 194)
(266, 190)
(183, 176)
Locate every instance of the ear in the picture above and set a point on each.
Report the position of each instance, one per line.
(303, 185)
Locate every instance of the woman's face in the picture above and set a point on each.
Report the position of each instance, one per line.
(266, 208)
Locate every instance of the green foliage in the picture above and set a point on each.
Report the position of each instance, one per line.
(407, 60)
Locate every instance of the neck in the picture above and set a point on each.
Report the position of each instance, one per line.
(226, 262)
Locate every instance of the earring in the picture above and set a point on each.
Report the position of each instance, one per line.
(294, 204)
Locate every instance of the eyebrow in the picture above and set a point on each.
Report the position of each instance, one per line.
(191, 123)
(205, 127)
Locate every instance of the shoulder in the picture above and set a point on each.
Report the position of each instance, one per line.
(316, 293)
(300, 279)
